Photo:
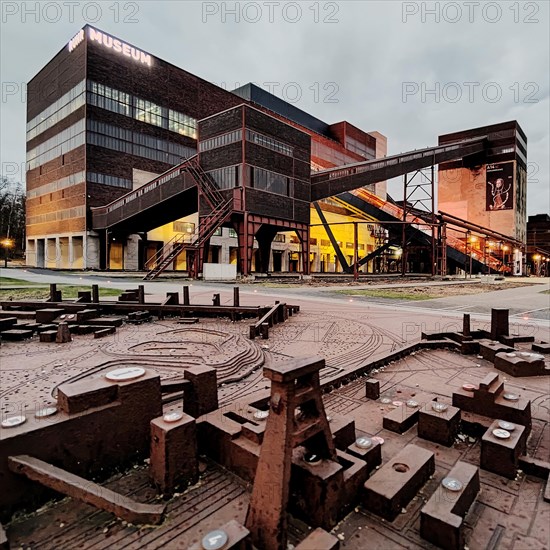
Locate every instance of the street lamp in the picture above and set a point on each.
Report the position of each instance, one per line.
(7, 244)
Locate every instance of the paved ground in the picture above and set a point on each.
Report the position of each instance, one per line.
(348, 332)
(528, 303)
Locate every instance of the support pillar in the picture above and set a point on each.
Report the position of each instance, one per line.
(265, 237)
(201, 256)
(245, 237)
(185, 295)
(303, 235)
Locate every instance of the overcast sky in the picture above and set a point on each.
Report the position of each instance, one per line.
(411, 70)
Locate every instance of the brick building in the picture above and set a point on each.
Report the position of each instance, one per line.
(104, 118)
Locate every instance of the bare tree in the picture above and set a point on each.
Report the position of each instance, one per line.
(12, 213)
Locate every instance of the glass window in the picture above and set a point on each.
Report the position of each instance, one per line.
(182, 124)
(148, 112)
(227, 177)
(107, 179)
(63, 142)
(272, 182)
(125, 104)
(269, 143)
(58, 110)
(136, 143)
(183, 227)
(220, 141)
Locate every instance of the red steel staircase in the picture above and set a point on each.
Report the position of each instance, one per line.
(221, 208)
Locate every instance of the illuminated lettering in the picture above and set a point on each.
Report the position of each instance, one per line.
(112, 43)
(76, 40)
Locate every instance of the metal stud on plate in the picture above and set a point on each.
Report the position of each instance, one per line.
(412, 404)
(510, 396)
(172, 417)
(46, 411)
(508, 426)
(385, 400)
(452, 484)
(501, 434)
(261, 415)
(215, 540)
(125, 373)
(13, 421)
(312, 459)
(363, 442)
(439, 407)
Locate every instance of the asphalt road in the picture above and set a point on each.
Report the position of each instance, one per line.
(527, 303)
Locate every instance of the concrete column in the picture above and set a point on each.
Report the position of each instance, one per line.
(77, 243)
(40, 253)
(64, 258)
(131, 253)
(91, 251)
(31, 252)
(51, 252)
(71, 253)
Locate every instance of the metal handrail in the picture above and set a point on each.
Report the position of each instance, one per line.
(179, 238)
(171, 173)
(194, 239)
(418, 223)
(359, 167)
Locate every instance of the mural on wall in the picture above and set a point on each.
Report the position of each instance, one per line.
(499, 186)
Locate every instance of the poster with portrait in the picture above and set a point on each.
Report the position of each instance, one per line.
(500, 186)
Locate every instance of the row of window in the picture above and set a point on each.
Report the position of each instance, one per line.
(58, 110)
(59, 215)
(58, 185)
(139, 138)
(220, 141)
(63, 142)
(269, 143)
(135, 143)
(107, 179)
(110, 104)
(227, 177)
(230, 233)
(265, 180)
(143, 110)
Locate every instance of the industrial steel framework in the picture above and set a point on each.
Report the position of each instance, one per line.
(182, 184)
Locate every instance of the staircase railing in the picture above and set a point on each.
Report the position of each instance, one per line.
(417, 222)
(221, 207)
(178, 239)
(207, 185)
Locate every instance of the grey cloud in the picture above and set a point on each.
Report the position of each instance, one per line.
(369, 54)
